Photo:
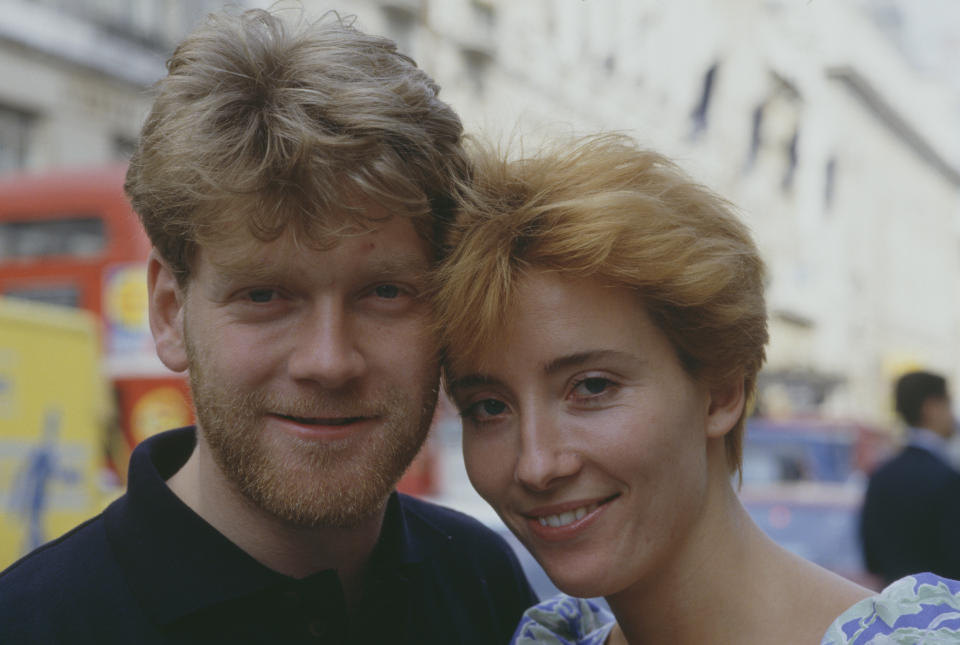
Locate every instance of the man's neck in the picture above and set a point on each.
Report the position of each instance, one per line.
(293, 551)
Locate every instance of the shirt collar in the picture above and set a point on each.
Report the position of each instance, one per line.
(928, 440)
(176, 563)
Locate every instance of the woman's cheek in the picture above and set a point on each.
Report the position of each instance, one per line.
(486, 462)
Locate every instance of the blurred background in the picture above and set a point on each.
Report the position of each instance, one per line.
(834, 125)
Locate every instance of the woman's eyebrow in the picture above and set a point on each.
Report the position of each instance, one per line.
(578, 359)
(472, 380)
(558, 364)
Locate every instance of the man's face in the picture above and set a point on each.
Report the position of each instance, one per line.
(312, 371)
(938, 416)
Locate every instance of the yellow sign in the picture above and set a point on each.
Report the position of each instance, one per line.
(126, 297)
(54, 407)
(158, 410)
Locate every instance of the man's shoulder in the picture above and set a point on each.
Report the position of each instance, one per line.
(59, 584)
(916, 463)
(471, 563)
(458, 539)
(453, 525)
(71, 554)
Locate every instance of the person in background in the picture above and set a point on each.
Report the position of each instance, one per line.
(293, 177)
(604, 323)
(910, 519)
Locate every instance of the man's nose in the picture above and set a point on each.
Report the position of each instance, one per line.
(326, 350)
(545, 457)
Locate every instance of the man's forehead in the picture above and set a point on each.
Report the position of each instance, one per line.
(241, 252)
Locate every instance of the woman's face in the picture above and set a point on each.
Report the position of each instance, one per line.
(585, 433)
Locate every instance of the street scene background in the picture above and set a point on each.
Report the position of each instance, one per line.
(834, 126)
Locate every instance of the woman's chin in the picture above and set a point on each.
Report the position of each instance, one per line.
(579, 585)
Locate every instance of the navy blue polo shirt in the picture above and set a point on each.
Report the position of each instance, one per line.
(150, 570)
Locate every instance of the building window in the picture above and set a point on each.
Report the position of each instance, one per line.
(74, 236)
(402, 22)
(700, 112)
(790, 169)
(829, 183)
(123, 147)
(14, 136)
(756, 136)
(775, 132)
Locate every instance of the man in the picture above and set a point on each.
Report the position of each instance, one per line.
(911, 515)
(292, 179)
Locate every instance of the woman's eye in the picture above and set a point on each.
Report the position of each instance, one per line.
(485, 409)
(261, 295)
(592, 386)
(387, 291)
(493, 407)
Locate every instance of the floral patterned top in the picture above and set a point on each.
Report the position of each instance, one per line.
(922, 609)
(564, 620)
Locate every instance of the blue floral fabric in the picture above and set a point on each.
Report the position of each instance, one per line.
(564, 620)
(922, 609)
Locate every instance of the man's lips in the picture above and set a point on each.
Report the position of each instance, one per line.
(322, 428)
(321, 421)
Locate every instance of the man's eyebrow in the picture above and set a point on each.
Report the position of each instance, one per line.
(405, 265)
(410, 266)
(229, 272)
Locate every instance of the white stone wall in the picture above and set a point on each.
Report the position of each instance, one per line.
(80, 83)
(861, 288)
(76, 116)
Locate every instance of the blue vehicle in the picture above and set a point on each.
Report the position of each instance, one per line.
(803, 484)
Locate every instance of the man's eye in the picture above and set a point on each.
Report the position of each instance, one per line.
(387, 291)
(261, 295)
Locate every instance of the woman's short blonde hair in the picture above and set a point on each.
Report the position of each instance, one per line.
(603, 207)
(269, 123)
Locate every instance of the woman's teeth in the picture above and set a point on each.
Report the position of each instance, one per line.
(569, 517)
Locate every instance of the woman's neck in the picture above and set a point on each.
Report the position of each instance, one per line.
(730, 583)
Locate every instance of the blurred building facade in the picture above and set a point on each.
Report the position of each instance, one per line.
(842, 156)
(73, 75)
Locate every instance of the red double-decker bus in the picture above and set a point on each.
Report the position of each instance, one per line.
(70, 238)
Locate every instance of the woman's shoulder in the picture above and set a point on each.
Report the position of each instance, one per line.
(564, 620)
(922, 608)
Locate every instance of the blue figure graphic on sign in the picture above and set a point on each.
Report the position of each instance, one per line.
(31, 488)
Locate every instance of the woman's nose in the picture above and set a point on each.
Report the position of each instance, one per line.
(545, 456)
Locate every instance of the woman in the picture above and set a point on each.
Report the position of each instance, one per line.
(604, 323)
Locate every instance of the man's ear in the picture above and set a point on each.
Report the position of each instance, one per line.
(726, 405)
(166, 300)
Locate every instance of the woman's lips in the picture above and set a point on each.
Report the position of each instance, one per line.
(563, 521)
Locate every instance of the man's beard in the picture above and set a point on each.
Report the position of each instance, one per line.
(311, 483)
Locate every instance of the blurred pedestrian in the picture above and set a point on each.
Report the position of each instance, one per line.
(911, 515)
